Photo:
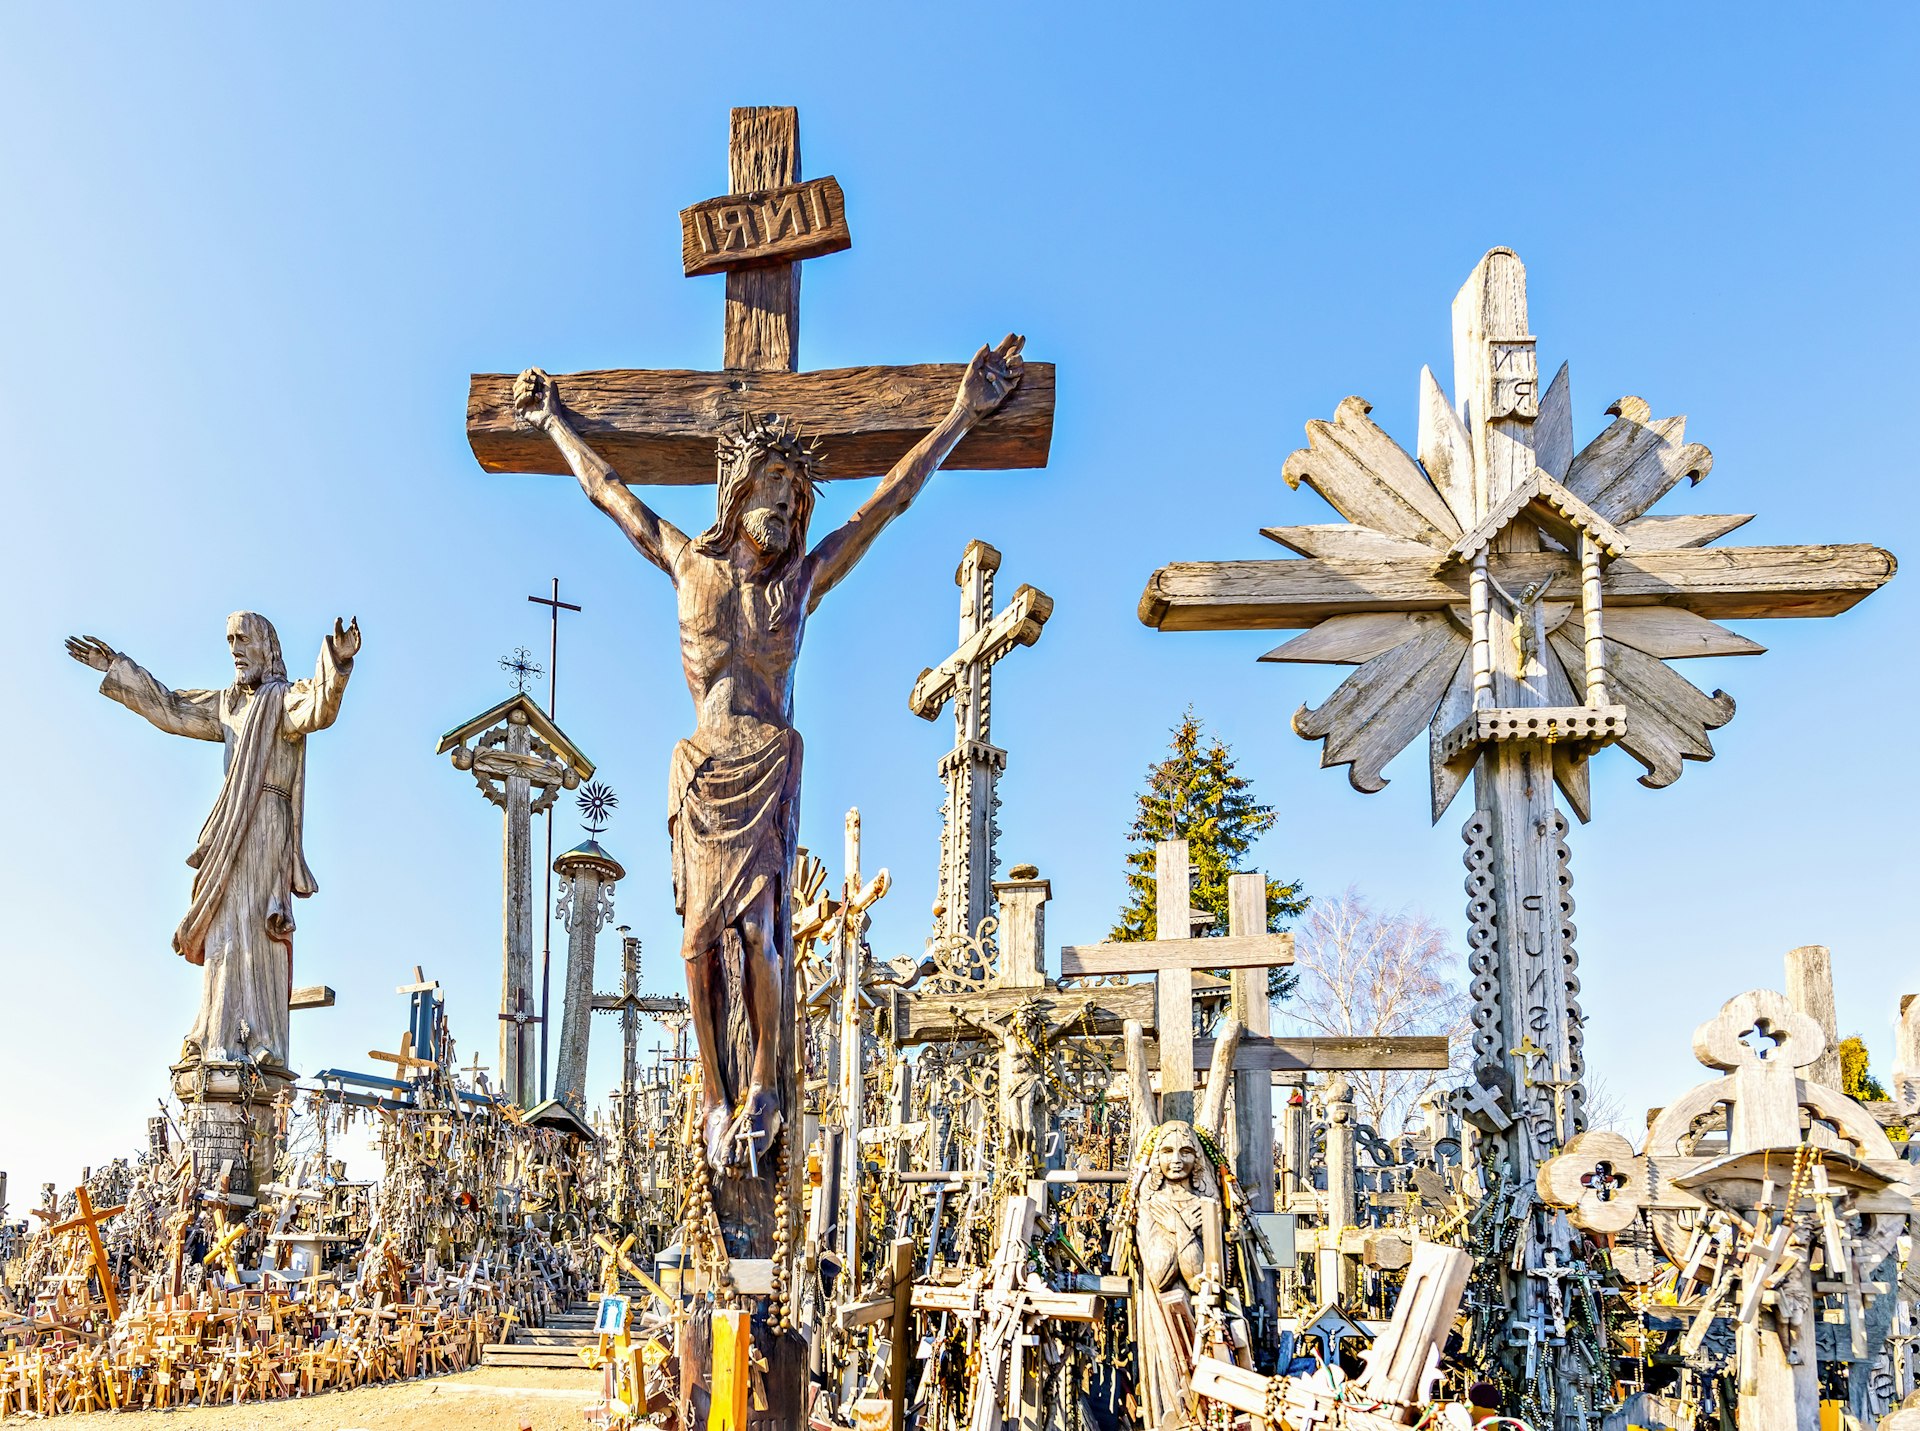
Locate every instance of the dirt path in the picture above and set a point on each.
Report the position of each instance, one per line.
(490, 1398)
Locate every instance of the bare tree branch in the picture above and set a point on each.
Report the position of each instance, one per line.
(1364, 972)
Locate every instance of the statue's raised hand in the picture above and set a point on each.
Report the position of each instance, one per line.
(991, 376)
(534, 400)
(343, 643)
(91, 651)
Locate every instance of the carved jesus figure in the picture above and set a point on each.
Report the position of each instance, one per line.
(249, 864)
(745, 588)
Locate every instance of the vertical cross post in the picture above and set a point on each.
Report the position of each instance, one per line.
(851, 1081)
(554, 606)
(763, 304)
(971, 770)
(1173, 987)
(1810, 987)
(1252, 1087)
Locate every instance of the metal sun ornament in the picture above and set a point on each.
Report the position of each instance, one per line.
(521, 668)
(597, 803)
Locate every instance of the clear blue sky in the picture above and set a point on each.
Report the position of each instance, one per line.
(251, 254)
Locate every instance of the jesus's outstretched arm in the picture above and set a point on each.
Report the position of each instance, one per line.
(194, 714)
(992, 375)
(656, 539)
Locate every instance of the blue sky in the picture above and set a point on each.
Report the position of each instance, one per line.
(251, 254)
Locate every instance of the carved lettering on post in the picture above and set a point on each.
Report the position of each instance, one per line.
(773, 226)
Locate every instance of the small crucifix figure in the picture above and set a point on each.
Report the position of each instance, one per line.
(971, 769)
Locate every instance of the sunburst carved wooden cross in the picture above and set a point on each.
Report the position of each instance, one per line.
(1519, 601)
(1495, 521)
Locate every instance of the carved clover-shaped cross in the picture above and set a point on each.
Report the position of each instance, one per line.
(1598, 1180)
(1603, 1180)
(1758, 1029)
(1763, 1038)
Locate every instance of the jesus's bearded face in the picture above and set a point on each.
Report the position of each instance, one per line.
(769, 510)
(250, 654)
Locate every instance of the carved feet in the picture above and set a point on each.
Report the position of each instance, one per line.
(739, 1144)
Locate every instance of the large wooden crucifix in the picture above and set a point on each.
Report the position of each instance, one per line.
(973, 766)
(1515, 598)
(765, 434)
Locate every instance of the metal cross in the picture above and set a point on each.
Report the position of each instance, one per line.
(554, 607)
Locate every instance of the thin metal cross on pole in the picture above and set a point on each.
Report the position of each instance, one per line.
(555, 606)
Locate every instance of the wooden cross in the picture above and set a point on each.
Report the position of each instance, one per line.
(1171, 957)
(661, 426)
(1513, 598)
(554, 607)
(86, 1217)
(630, 1004)
(972, 767)
(857, 896)
(404, 1062)
(520, 1018)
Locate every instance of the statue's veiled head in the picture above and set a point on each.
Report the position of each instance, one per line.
(1175, 1157)
(256, 649)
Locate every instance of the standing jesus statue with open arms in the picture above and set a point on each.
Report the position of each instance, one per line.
(746, 587)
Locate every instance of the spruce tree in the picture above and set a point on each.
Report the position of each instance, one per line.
(1195, 793)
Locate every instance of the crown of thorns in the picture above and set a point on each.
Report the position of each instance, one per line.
(776, 437)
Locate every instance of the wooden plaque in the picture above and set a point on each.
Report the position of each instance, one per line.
(760, 229)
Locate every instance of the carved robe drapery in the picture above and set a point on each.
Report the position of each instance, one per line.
(249, 864)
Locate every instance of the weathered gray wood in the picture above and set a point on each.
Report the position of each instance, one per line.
(1445, 449)
(1342, 539)
(660, 425)
(1098, 1010)
(1553, 429)
(1368, 479)
(1810, 989)
(1355, 640)
(1674, 634)
(1722, 583)
(763, 304)
(1635, 462)
(1683, 530)
(1252, 1089)
(1374, 713)
(1251, 951)
(772, 226)
(313, 996)
(1173, 983)
(1211, 1116)
(1287, 1058)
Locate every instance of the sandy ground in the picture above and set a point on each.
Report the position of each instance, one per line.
(491, 1398)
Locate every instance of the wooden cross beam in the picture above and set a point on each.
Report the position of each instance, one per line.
(661, 426)
(1171, 958)
(931, 1018)
(313, 996)
(1287, 1057)
(404, 1062)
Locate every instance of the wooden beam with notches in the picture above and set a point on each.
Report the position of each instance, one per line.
(660, 426)
(1419, 1053)
(1720, 583)
(933, 1018)
(1231, 951)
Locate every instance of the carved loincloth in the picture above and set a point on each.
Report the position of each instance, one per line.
(733, 817)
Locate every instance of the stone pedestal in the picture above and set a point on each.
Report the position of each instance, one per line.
(229, 1117)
